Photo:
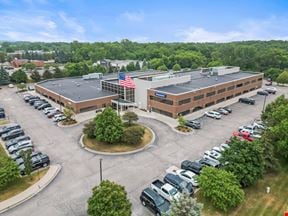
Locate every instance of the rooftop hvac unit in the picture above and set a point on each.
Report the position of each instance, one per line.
(92, 76)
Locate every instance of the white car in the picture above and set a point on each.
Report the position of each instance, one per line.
(225, 146)
(218, 149)
(188, 176)
(212, 155)
(11, 86)
(49, 109)
(59, 117)
(248, 128)
(259, 125)
(213, 114)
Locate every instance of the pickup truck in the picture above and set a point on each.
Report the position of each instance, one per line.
(165, 190)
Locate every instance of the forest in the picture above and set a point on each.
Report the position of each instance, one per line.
(270, 57)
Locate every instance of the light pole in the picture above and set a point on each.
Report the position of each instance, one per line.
(100, 163)
(264, 104)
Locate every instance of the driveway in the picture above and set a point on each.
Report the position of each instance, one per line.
(69, 192)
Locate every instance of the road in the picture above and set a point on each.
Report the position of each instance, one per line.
(69, 192)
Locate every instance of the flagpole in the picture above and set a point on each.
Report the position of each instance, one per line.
(118, 73)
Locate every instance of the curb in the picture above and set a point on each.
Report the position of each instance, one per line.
(29, 193)
(67, 126)
(120, 153)
(182, 133)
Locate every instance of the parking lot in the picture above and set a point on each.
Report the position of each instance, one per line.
(69, 192)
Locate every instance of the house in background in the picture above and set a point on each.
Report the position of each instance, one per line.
(16, 63)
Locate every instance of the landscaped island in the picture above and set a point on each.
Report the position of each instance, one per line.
(108, 132)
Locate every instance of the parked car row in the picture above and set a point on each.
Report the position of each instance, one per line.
(250, 132)
(217, 114)
(267, 91)
(17, 142)
(41, 104)
(2, 113)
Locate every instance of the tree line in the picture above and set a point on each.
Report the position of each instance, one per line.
(270, 57)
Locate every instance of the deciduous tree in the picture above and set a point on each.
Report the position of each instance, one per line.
(35, 76)
(9, 171)
(133, 135)
(4, 76)
(26, 155)
(221, 188)
(19, 77)
(130, 117)
(109, 199)
(89, 129)
(109, 126)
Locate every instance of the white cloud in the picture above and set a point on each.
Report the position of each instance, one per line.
(71, 23)
(133, 16)
(273, 28)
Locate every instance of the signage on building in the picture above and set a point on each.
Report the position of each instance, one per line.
(159, 94)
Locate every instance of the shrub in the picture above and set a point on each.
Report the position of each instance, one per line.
(8, 171)
(89, 129)
(133, 135)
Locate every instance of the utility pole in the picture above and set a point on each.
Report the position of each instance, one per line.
(100, 163)
(264, 104)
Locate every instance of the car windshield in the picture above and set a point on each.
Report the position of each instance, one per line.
(173, 191)
(183, 184)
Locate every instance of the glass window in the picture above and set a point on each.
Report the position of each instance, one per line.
(259, 79)
(230, 88)
(209, 94)
(239, 85)
(221, 90)
(198, 97)
(187, 100)
(210, 104)
(161, 100)
(220, 100)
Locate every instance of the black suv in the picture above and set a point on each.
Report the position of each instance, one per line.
(38, 161)
(179, 183)
(8, 128)
(193, 124)
(154, 202)
(192, 166)
(12, 134)
(247, 101)
(265, 93)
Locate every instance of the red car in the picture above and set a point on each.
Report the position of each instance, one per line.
(243, 135)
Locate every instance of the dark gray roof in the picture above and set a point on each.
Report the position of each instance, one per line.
(198, 82)
(76, 89)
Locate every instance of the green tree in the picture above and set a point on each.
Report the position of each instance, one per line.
(35, 76)
(245, 160)
(29, 66)
(221, 188)
(137, 66)
(58, 73)
(68, 113)
(185, 206)
(181, 121)
(4, 76)
(19, 77)
(123, 69)
(282, 78)
(272, 73)
(130, 117)
(2, 57)
(109, 199)
(26, 155)
(109, 126)
(131, 67)
(9, 171)
(89, 129)
(176, 67)
(47, 75)
(162, 68)
(133, 135)
(215, 63)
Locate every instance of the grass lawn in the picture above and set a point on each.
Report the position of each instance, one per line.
(121, 147)
(257, 201)
(21, 184)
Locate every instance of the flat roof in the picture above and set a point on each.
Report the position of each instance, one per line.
(199, 82)
(76, 89)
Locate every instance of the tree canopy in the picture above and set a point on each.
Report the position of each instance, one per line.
(221, 188)
(19, 77)
(8, 171)
(109, 199)
(282, 78)
(4, 76)
(245, 160)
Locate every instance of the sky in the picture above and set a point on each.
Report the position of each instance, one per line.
(143, 20)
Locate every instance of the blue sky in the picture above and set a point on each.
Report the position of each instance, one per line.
(143, 20)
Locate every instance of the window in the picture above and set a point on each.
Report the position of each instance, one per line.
(245, 91)
(161, 100)
(230, 88)
(252, 89)
(209, 94)
(162, 112)
(247, 83)
(221, 90)
(220, 100)
(239, 85)
(210, 104)
(259, 79)
(253, 81)
(229, 97)
(198, 97)
(184, 112)
(188, 100)
(103, 105)
(237, 94)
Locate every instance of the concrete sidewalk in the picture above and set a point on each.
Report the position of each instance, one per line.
(31, 191)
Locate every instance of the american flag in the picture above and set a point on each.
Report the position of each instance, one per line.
(126, 81)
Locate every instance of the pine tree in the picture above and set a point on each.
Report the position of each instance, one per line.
(4, 76)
